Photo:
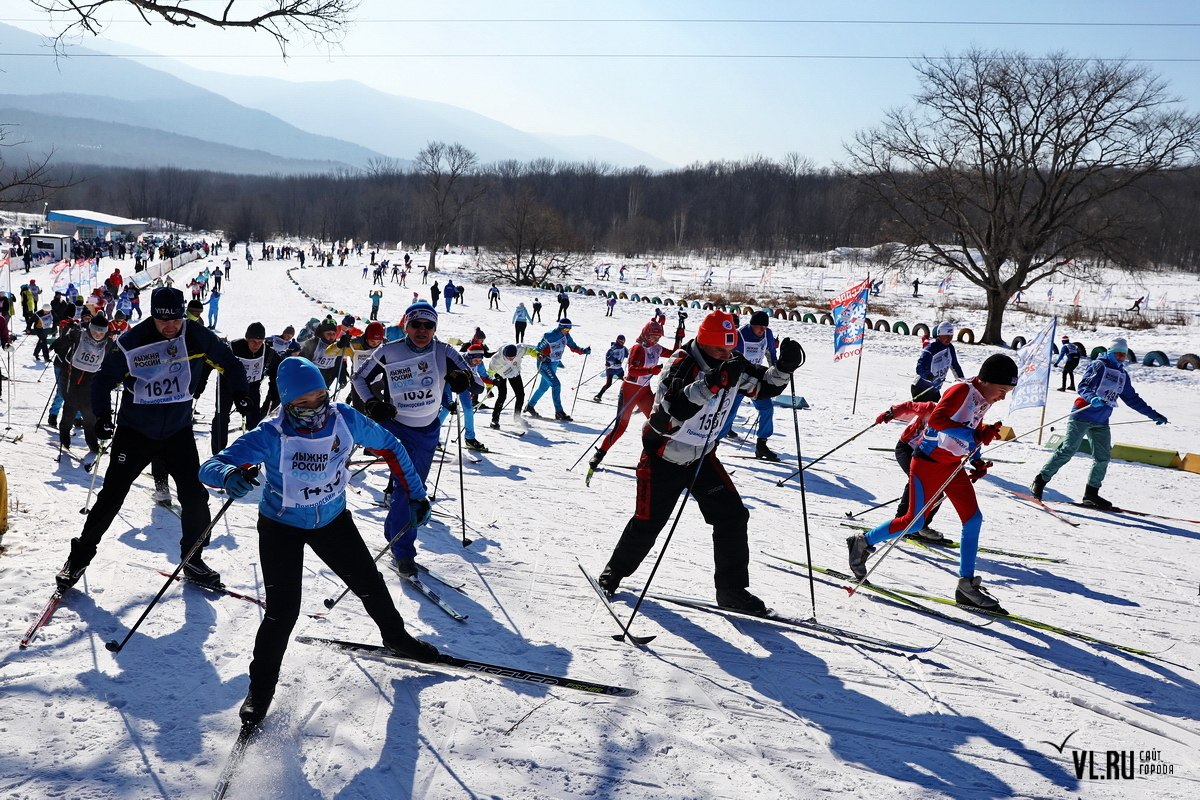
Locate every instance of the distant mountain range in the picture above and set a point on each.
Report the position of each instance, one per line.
(117, 111)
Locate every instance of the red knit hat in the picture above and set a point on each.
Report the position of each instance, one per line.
(652, 328)
(476, 351)
(717, 330)
(375, 330)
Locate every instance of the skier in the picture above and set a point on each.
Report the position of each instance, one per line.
(614, 361)
(564, 302)
(401, 386)
(435, 292)
(259, 363)
(678, 446)
(308, 507)
(610, 304)
(1072, 353)
(376, 296)
(520, 320)
(284, 344)
(494, 298)
(157, 362)
(635, 388)
(1103, 383)
(82, 350)
(916, 414)
(916, 284)
(936, 360)
(756, 340)
(550, 350)
(468, 400)
(537, 311)
(952, 437)
(214, 308)
(505, 368)
(324, 351)
(448, 294)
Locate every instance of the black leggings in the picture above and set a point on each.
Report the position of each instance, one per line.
(519, 328)
(502, 394)
(281, 553)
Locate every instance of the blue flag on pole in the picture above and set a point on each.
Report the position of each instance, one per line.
(1033, 370)
(849, 312)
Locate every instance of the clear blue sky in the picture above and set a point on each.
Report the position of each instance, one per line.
(685, 80)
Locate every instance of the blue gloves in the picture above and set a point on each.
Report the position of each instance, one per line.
(420, 511)
(1159, 419)
(240, 482)
(1097, 402)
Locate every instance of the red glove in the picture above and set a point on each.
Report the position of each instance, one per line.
(979, 469)
(657, 369)
(988, 433)
(886, 416)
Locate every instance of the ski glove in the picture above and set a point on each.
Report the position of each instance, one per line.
(240, 482)
(241, 401)
(453, 407)
(989, 433)
(1159, 419)
(1097, 402)
(459, 380)
(380, 410)
(979, 468)
(886, 416)
(419, 512)
(791, 356)
(727, 374)
(657, 369)
(104, 427)
(344, 342)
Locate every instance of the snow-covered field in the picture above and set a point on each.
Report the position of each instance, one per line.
(725, 708)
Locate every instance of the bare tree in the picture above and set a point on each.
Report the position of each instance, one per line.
(532, 244)
(322, 20)
(29, 182)
(1004, 168)
(452, 184)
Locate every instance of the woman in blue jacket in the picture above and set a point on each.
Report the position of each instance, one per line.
(304, 451)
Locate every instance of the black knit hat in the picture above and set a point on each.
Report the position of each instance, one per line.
(760, 318)
(999, 369)
(256, 330)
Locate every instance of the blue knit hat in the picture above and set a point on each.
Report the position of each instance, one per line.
(420, 310)
(296, 377)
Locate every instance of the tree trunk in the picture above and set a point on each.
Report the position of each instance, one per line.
(432, 258)
(997, 301)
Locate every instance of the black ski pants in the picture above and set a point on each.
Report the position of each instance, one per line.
(129, 453)
(502, 394)
(519, 330)
(77, 398)
(659, 484)
(221, 419)
(281, 553)
(1069, 372)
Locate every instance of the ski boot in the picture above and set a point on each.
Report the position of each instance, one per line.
(405, 567)
(89, 460)
(596, 399)
(1091, 497)
(196, 571)
(1038, 486)
(254, 707)
(970, 592)
(608, 581)
(743, 601)
(476, 445)
(765, 453)
(928, 534)
(406, 646)
(563, 416)
(495, 425)
(859, 550)
(73, 568)
(531, 411)
(732, 436)
(54, 420)
(162, 492)
(593, 465)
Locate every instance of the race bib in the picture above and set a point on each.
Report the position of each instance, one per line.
(705, 424)
(939, 365)
(253, 367)
(754, 351)
(1111, 385)
(314, 470)
(556, 349)
(89, 354)
(415, 386)
(322, 359)
(649, 361)
(160, 372)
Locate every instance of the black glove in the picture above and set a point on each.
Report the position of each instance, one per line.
(928, 378)
(453, 407)
(104, 427)
(239, 482)
(241, 401)
(727, 374)
(380, 410)
(344, 341)
(791, 356)
(459, 380)
(419, 512)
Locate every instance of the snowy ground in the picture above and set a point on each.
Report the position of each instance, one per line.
(726, 709)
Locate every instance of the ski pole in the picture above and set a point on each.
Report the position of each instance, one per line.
(42, 374)
(679, 514)
(46, 407)
(330, 602)
(582, 369)
(115, 647)
(812, 584)
(620, 411)
(872, 508)
(462, 492)
(95, 469)
(830, 452)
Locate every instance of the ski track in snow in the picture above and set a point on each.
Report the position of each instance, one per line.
(727, 708)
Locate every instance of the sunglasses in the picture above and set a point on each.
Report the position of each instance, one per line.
(423, 324)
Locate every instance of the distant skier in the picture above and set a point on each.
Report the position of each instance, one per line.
(937, 359)
(520, 321)
(1103, 383)
(505, 367)
(550, 352)
(1072, 353)
(614, 360)
(756, 341)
